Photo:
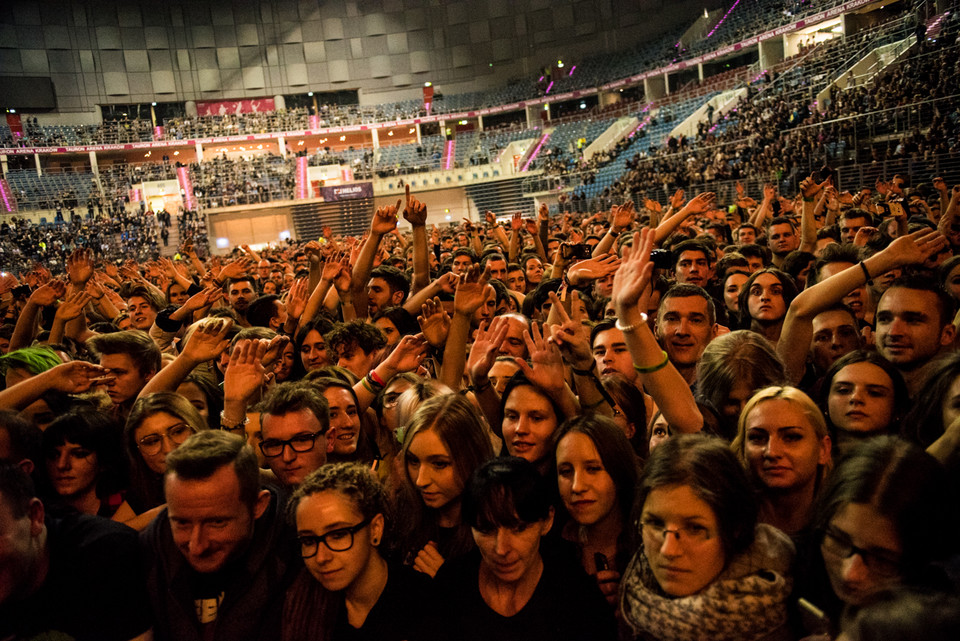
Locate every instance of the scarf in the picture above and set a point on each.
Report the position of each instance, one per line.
(747, 601)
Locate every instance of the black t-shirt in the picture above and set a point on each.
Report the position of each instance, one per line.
(94, 588)
(565, 606)
(399, 614)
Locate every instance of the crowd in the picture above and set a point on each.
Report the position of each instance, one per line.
(724, 420)
(777, 133)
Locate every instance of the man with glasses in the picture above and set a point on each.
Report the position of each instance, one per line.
(219, 557)
(295, 432)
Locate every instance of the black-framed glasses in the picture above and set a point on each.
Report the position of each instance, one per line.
(151, 444)
(305, 442)
(838, 544)
(657, 531)
(339, 540)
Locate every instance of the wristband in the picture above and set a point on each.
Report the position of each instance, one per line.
(375, 379)
(807, 200)
(481, 388)
(866, 273)
(227, 427)
(630, 328)
(368, 386)
(583, 372)
(653, 368)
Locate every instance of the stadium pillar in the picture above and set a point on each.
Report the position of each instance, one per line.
(190, 108)
(480, 123)
(279, 103)
(36, 161)
(654, 87)
(419, 138)
(4, 165)
(771, 52)
(199, 149)
(93, 163)
(700, 71)
(282, 144)
(376, 138)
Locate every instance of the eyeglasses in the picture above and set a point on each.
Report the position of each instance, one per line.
(152, 443)
(305, 442)
(657, 531)
(336, 540)
(838, 544)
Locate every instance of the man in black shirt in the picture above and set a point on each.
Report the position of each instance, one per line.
(75, 577)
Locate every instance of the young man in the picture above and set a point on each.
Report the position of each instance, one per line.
(357, 345)
(295, 432)
(131, 358)
(782, 238)
(143, 305)
(914, 325)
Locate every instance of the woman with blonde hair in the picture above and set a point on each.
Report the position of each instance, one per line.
(783, 443)
(443, 444)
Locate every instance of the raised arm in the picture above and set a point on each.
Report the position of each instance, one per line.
(660, 378)
(206, 343)
(797, 332)
(415, 213)
(384, 221)
(699, 204)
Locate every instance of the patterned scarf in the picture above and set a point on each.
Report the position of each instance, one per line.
(746, 602)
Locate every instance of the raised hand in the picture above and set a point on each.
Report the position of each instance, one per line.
(571, 335)
(769, 192)
(236, 269)
(863, 235)
(207, 341)
(916, 248)
(408, 355)
(72, 306)
(485, 347)
(701, 203)
(543, 212)
(415, 211)
(516, 221)
(80, 266)
(296, 300)
(204, 298)
(652, 206)
(245, 373)
(592, 269)
(76, 377)
(47, 295)
(385, 219)
(809, 187)
(636, 269)
(472, 291)
(546, 364)
(274, 350)
(434, 322)
(490, 217)
(532, 227)
(623, 216)
(677, 199)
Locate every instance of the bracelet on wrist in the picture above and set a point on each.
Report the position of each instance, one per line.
(482, 387)
(584, 372)
(866, 273)
(653, 368)
(630, 328)
(232, 426)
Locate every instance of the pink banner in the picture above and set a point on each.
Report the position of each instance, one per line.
(236, 107)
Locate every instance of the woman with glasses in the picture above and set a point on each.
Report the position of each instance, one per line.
(783, 444)
(348, 590)
(516, 585)
(705, 568)
(883, 520)
(157, 425)
(443, 444)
